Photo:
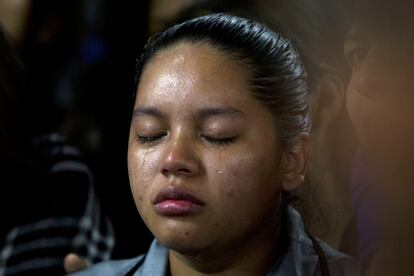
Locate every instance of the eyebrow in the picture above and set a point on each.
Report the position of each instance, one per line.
(218, 111)
(202, 113)
(148, 111)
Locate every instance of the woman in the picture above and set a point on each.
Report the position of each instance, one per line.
(318, 29)
(380, 49)
(219, 139)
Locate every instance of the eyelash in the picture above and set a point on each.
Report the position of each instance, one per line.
(223, 141)
(148, 139)
(152, 139)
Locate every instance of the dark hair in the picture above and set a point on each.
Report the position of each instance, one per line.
(317, 27)
(278, 78)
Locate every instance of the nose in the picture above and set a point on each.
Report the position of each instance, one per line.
(180, 160)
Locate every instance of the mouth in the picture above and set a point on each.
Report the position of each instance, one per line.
(176, 202)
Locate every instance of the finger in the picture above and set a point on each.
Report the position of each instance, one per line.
(74, 263)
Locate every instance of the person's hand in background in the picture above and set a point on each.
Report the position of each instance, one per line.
(73, 263)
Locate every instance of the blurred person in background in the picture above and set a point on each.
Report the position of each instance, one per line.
(79, 63)
(99, 119)
(48, 203)
(318, 29)
(46, 35)
(48, 207)
(380, 51)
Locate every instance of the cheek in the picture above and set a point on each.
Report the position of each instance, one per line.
(381, 131)
(142, 168)
(244, 181)
(239, 174)
(243, 195)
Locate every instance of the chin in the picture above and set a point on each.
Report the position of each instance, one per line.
(183, 237)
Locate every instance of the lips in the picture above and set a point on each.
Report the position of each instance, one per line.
(174, 201)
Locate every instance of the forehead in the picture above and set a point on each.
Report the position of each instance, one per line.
(202, 58)
(186, 71)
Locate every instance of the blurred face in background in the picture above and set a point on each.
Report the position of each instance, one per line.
(380, 99)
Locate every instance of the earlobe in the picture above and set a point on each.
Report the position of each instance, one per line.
(295, 162)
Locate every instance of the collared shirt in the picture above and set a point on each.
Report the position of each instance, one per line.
(301, 258)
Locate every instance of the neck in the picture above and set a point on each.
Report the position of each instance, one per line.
(251, 256)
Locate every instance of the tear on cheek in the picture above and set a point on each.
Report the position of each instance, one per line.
(148, 162)
(143, 160)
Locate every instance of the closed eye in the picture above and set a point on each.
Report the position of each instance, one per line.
(219, 141)
(149, 139)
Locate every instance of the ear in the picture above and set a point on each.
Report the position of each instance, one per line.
(294, 162)
(326, 100)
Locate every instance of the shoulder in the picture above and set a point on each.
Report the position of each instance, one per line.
(120, 267)
(153, 263)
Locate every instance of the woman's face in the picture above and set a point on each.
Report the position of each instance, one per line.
(379, 100)
(204, 157)
(380, 93)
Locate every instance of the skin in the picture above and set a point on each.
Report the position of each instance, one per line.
(379, 100)
(309, 23)
(74, 263)
(231, 160)
(13, 17)
(333, 148)
(333, 140)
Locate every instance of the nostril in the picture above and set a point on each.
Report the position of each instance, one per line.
(177, 171)
(185, 171)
